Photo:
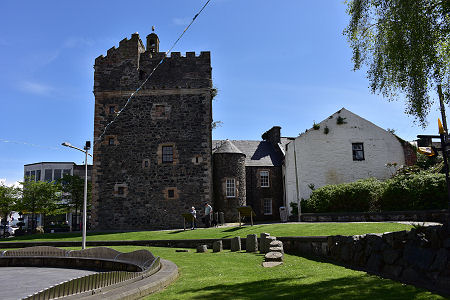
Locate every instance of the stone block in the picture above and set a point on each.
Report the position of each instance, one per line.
(236, 244)
(273, 256)
(262, 241)
(251, 243)
(276, 243)
(392, 270)
(271, 264)
(202, 248)
(266, 244)
(217, 246)
(276, 249)
(440, 261)
(410, 275)
(374, 263)
(390, 256)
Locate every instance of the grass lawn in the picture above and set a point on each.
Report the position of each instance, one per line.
(239, 275)
(286, 229)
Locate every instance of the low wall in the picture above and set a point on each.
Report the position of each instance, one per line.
(420, 256)
(439, 216)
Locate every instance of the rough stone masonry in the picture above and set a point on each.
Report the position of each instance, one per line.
(154, 162)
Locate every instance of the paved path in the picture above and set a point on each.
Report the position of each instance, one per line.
(19, 282)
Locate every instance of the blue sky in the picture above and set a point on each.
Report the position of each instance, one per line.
(282, 63)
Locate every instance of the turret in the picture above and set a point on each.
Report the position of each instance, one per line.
(152, 43)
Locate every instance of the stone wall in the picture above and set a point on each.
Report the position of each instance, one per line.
(439, 216)
(132, 187)
(227, 166)
(420, 256)
(256, 194)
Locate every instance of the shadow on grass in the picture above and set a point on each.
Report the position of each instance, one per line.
(233, 229)
(352, 287)
(178, 231)
(52, 236)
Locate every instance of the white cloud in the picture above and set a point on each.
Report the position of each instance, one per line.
(181, 21)
(35, 88)
(3, 181)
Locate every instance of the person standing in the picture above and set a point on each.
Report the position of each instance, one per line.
(194, 217)
(208, 213)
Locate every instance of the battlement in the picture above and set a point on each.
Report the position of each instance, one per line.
(133, 48)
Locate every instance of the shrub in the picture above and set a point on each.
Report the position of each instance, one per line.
(361, 195)
(419, 191)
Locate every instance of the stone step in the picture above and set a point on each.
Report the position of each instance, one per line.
(276, 249)
(273, 256)
(271, 264)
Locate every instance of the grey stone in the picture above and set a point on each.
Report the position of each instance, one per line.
(202, 248)
(273, 256)
(390, 256)
(236, 244)
(276, 249)
(217, 246)
(392, 270)
(267, 242)
(410, 275)
(251, 243)
(271, 264)
(440, 262)
(262, 242)
(417, 256)
(374, 263)
(276, 243)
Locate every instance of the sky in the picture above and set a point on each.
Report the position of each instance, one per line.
(283, 63)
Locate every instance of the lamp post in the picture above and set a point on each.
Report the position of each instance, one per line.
(85, 151)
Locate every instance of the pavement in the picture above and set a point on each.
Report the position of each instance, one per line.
(20, 282)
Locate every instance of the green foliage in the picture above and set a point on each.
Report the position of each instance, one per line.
(406, 46)
(340, 120)
(414, 192)
(326, 130)
(361, 195)
(8, 199)
(73, 189)
(405, 191)
(40, 197)
(316, 126)
(294, 208)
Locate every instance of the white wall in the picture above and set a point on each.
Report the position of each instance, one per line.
(328, 159)
(49, 165)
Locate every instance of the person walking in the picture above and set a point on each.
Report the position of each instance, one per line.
(208, 213)
(194, 217)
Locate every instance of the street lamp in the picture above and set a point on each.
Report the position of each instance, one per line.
(85, 151)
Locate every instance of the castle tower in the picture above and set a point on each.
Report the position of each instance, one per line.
(154, 162)
(229, 180)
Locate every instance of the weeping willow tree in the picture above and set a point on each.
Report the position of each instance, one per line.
(405, 45)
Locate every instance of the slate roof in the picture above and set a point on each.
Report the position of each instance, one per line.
(227, 147)
(257, 153)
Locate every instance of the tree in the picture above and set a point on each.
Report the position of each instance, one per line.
(8, 198)
(406, 46)
(73, 187)
(40, 197)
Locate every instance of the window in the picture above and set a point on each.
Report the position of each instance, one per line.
(48, 175)
(38, 175)
(57, 174)
(66, 172)
(358, 151)
(33, 176)
(264, 177)
(121, 190)
(171, 193)
(111, 141)
(27, 175)
(231, 188)
(268, 206)
(112, 109)
(160, 110)
(167, 154)
(146, 163)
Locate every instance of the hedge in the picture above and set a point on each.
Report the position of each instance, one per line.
(405, 192)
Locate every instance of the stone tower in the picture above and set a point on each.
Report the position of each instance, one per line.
(154, 162)
(229, 180)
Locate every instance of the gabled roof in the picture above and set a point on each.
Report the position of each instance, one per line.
(228, 147)
(257, 153)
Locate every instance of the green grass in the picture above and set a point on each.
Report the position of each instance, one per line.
(304, 229)
(239, 275)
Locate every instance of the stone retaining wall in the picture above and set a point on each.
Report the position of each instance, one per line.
(439, 216)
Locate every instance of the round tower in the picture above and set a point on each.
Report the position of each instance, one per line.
(229, 180)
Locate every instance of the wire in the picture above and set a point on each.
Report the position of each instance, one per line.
(28, 144)
(99, 139)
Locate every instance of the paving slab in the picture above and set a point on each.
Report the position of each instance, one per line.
(19, 282)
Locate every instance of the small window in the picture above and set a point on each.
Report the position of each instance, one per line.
(121, 190)
(268, 206)
(66, 172)
(167, 154)
(358, 151)
(57, 174)
(48, 175)
(38, 175)
(171, 193)
(33, 175)
(27, 175)
(112, 109)
(264, 177)
(111, 141)
(160, 110)
(146, 163)
(231, 188)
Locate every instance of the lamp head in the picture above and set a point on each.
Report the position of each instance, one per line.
(66, 144)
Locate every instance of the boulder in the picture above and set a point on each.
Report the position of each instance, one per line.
(236, 244)
(217, 246)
